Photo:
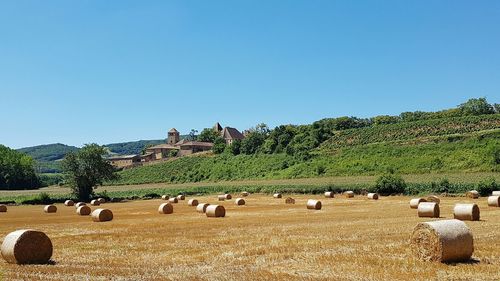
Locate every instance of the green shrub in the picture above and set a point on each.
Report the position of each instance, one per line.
(389, 184)
(487, 186)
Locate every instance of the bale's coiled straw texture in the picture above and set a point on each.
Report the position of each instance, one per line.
(466, 212)
(166, 208)
(313, 204)
(428, 209)
(215, 211)
(27, 247)
(102, 215)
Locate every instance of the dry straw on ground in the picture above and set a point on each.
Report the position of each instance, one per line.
(433, 198)
(313, 204)
(79, 204)
(215, 211)
(101, 200)
(277, 195)
(83, 210)
(27, 247)
(193, 202)
(95, 203)
(289, 200)
(166, 208)
(3, 208)
(50, 209)
(245, 194)
(102, 215)
(415, 201)
(221, 197)
(443, 241)
(495, 193)
(349, 194)
(165, 197)
(202, 207)
(373, 196)
(228, 196)
(181, 197)
(466, 212)
(428, 209)
(494, 201)
(472, 194)
(69, 203)
(329, 194)
(239, 201)
(173, 200)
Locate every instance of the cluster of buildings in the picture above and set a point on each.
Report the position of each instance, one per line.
(175, 147)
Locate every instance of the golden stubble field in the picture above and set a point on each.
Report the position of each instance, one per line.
(349, 239)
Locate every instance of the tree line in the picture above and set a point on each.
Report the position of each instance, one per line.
(17, 170)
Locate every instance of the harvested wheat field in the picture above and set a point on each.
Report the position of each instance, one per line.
(266, 239)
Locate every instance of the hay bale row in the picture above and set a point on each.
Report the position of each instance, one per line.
(289, 200)
(313, 204)
(373, 196)
(27, 247)
(433, 198)
(329, 194)
(495, 193)
(165, 197)
(166, 208)
(239, 201)
(79, 204)
(102, 215)
(215, 211)
(428, 209)
(349, 194)
(95, 203)
(83, 210)
(69, 203)
(193, 202)
(494, 201)
(472, 194)
(245, 194)
(181, 197)
(468, 212)
(415, 201)
(50, 209)
(202, 207)
(101, 200)
(277, 195)
(228, 196)
(221, 197)
(443, 241)
(173, 200)
(3, 208)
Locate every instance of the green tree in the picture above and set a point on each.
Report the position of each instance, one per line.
(476, 107)
(86, 169)
(235, 147)
(208, 135)
(219, 145)
(389, 184)
(192, 135)
(385, 119)
(17, 170)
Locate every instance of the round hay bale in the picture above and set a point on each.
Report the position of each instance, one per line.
(101, 200)
(50, 209)
(245, 194)
(83, 210)
(27, 247)
(415, 201)
(313, 204)
(95, 203)
(494, 201)
(221, 197)
(193, 202)
(102, 215)
(349, 194)
(215, 211)
(69, 203)
(433, 198)
(166, 208)
(495, 193)
(228, 196)
(466, 212)
(79, 204)
(329, 194)
(289, 200)
(239, 201)
(181, 197)
(428, 209)
(472, 194)
(165, 197)
(373, 196)
(277, 195)
(173, 200)
(202, 207)
(442, 241)
(3, 208)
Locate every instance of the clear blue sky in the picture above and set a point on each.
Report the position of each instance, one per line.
(109, 71)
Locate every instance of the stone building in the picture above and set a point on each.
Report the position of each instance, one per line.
(231, 134)
(124, 161)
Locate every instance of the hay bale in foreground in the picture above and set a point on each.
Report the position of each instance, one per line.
(95, 203)
(193, 202)
(239, 201)
(245, 194)
(373, 196)
(329, 194)
(101, 200)
(202, 207)
(102, 215)
(69, 203)
(83, 210)
(173, 200)
(3, 208)
(494, 201)
(433, 198)
(165, 197)
(428, 209)
(215, 211)
(27, 247)
(349, 194)
(166, 208)
(277, 195)
(181, 197)
(443, 241)
(289, 200)
(495, 193)
(228, 196)
(472, 194)
(313, 204)
(79, 204)
(50, 209)
(466, 212)
(415, 201)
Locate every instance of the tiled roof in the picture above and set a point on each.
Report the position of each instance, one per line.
(232, 134)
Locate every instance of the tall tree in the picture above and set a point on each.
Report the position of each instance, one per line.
(16, 170)
(86, 169)
(208, 135)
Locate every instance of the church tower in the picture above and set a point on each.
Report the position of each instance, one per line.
(173, 137)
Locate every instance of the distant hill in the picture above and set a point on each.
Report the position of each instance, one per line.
(48, 152)
(132, 147)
